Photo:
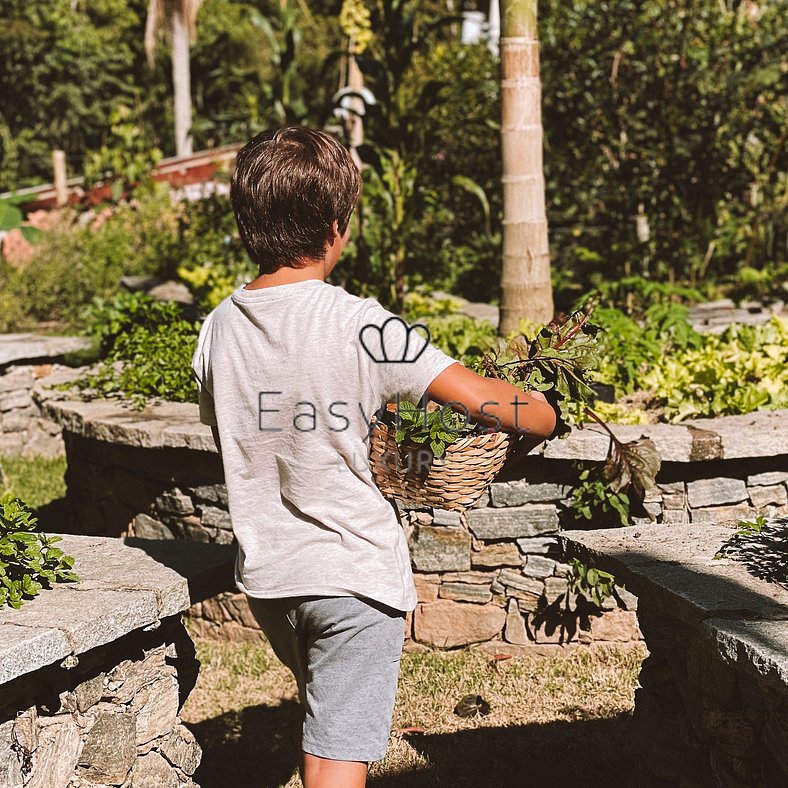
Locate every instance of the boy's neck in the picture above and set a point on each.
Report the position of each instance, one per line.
(289, 276)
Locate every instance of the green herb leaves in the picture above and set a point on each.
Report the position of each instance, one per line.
(28, 560)
(422, 427)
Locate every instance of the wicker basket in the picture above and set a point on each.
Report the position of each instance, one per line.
(455, 481)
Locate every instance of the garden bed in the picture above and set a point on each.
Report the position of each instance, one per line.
(491, 577)
(712, 707)
(93, 674)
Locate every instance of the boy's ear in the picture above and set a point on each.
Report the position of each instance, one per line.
(333, 233)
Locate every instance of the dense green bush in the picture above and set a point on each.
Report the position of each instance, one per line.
(147, 348)
(677, 107)
(80, 260)
(668, 111)
(659, 367)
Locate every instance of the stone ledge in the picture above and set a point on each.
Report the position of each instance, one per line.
(171, 425)
(176, 425)
(675, 564)
(124, 585)
(35, 348)
(756, 647)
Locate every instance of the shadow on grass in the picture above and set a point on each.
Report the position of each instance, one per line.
(257, 747)
(595, 752)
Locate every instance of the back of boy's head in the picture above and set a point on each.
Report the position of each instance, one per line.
(289, 187)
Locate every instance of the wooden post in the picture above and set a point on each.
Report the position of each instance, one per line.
(59, 177)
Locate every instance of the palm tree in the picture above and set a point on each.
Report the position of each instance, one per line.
(180, 18)
(526, 291)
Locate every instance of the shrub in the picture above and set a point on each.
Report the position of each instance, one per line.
(75, 263)
(28, 560)
(147, 348)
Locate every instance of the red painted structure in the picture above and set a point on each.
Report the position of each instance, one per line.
(200, 167)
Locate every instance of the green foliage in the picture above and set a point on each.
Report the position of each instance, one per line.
(629, 348)
(148, 348)
(29, 561)
(593, 584)
(64, 67)
(739, 371)
(261, 64)
(594, 500)
(458, 335)
(675, 111)
(747, 528)
(126, 158)
(437, 428)
(398, 188)
(557, 362)
(762, 547)
(207, 252)
(76, 262)
(635, 294)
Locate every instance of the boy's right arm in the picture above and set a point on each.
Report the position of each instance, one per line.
(495, 403)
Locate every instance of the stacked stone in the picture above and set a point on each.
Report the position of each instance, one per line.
(712, 702)
(702, 719)
(119, 490)
(106, 718)
(720, 499)
(28, 361)
(489, 575)
(23, 430)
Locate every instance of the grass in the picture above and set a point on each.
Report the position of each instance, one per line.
(553, 721)
(36, 480)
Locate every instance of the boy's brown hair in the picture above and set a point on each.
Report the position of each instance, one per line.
(288, 188)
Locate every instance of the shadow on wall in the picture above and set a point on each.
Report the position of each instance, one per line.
(257, 746)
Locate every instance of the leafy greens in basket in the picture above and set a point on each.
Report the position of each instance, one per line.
(557, 362)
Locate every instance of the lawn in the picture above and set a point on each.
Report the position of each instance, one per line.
(36, 480)
(552, 721)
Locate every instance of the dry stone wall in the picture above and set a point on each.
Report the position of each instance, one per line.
(110, 720)
(27, 361)
(712, 705)
(93, 674)
(492, 577)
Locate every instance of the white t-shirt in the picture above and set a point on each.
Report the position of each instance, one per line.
(291, 376)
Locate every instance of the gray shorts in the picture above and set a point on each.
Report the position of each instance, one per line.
(344, 652)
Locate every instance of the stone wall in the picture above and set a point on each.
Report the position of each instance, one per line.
(712, 705)
(491, 577)
(93, 673)
(27, 361)
(110, 720)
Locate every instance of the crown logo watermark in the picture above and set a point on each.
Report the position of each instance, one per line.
(395, 342)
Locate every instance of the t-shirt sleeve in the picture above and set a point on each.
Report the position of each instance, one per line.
(399, 357)
(202, 374)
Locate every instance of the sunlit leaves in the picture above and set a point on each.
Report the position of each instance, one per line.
(28, 560)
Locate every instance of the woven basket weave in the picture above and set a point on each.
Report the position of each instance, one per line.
(455, 481)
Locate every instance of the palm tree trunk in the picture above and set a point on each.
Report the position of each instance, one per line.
(526, 291)
(181, 80)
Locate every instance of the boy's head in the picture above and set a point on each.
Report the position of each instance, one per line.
(289, 187)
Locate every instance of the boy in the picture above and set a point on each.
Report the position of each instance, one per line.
(290, 370)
